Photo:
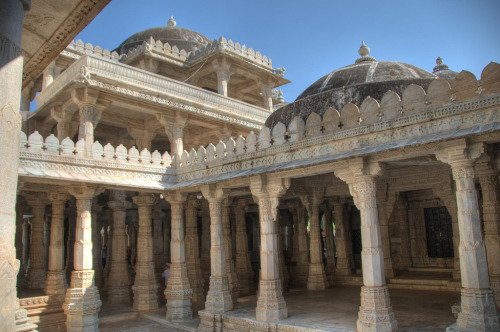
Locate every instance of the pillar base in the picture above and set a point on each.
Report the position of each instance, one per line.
(82, 302)
(232, 279)
(375, 313)
(495, 286)
(478, 312)
(197, 283)
(209, 322)
(178, 294)
(22, 323)
(55, 283)
(218, 297)
(118, 294)
(36, 278)
(146, 296)
(317, 277)
(271, 306)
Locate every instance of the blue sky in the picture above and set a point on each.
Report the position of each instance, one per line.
(312, 38)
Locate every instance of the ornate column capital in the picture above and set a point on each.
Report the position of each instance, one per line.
(175, 197)
(460, 153)
(193, 202)
(214, 193)
(36, 200)
(145, 199)
(269, 188)
(85, 191)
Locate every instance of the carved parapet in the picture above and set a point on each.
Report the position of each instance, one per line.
(79, 48)
(224, 45)
(50, 146)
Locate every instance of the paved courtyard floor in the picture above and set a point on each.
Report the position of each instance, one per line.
(332, 310)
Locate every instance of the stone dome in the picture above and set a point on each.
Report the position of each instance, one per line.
(443, 71)
(353, 83)
(183, 38)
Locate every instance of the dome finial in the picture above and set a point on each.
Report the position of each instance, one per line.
(364, 51)
(440, 65)
(171, 22)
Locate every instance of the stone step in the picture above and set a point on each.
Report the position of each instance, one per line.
(423, 287)
(118, 317)
(434, 282)
(431, 269)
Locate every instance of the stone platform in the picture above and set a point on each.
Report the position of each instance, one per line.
(333, 310)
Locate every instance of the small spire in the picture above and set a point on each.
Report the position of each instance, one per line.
(171, 22)
(440, 66)
(364, 51)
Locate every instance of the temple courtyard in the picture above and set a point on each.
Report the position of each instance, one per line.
(332, 310)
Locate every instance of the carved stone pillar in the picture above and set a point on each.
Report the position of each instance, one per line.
(205, 244)
(166, 236)
(329, 240)
(56, 279)
(143, 137)
(174, 128)
(491, 218)
(386, 242)
(193, 254)
(375, 312)
(82, 301)
(316, 279)
(224, 72)
(11, 71)
(271, 305)
(267, 96)
(118, 280)
(284, 276)
(146, 284)
(37, 272)
(401, 216)
(97, 243)
(478, 306)
(219, 295)
(64, 126)
(179, 291)
(232, 278)
(49, 73)
(159, 260)
(302, 259)
(89, 117)
(344, 251)
(243, 264)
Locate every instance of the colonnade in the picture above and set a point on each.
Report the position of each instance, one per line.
(232, 276)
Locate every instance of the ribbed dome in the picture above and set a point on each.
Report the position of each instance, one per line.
(366, 72)
(184, 39)
(353, 83)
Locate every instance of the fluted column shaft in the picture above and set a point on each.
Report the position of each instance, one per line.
(146, 284)
(56, 279)
(97, 244)
(37, 272)
(232, 278)
(192, 254)
(82, 302)
(118, 279)
(375, 312)
(243, 263)
(179, 291)
(302, 267)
